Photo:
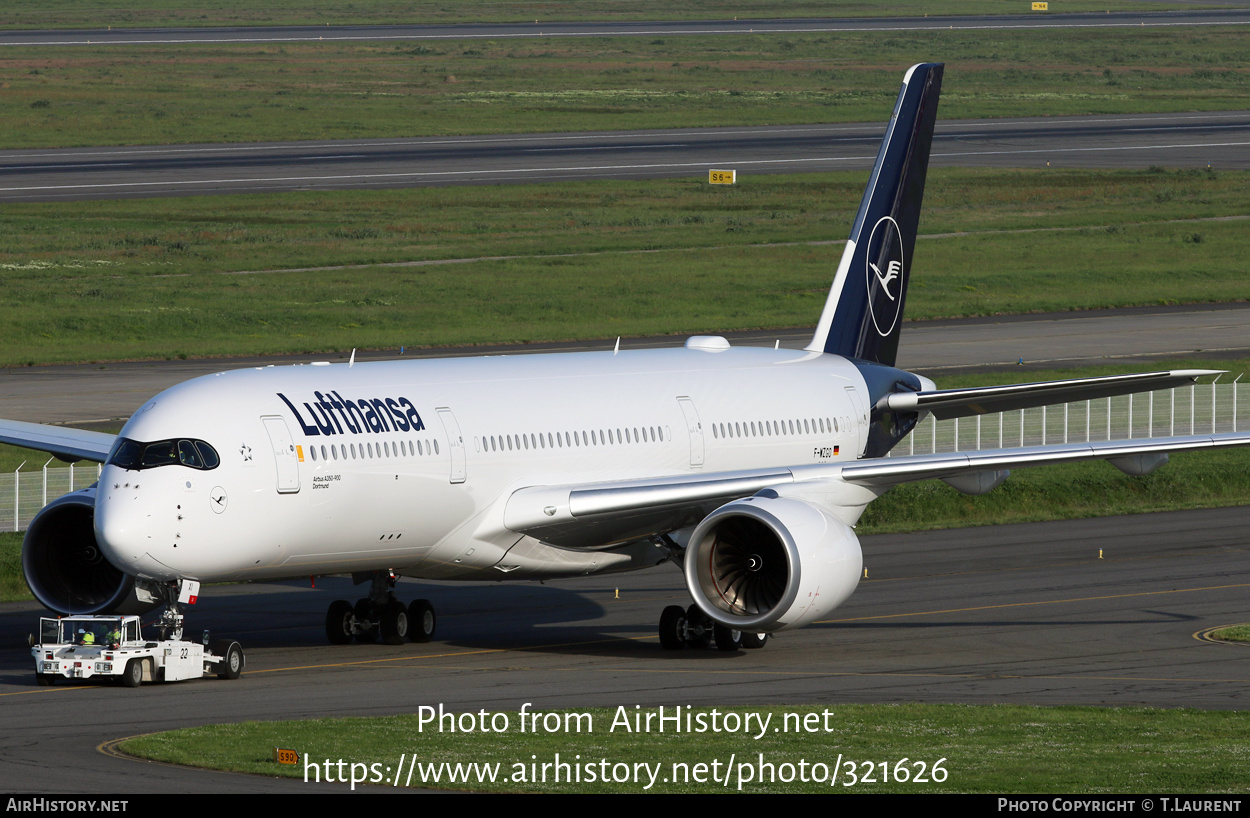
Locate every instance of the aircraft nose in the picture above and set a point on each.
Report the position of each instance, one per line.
(126, 531)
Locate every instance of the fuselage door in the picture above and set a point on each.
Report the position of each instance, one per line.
(694, 428)
(861, 419)
(455, 444)
(283, 454)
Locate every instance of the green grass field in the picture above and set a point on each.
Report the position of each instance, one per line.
(158, 94)
(160, 278)
(153, 13)
(1234, 633)
(999, 749)
(12, 585)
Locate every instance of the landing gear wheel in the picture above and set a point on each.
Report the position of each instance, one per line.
(698, 628)
(231, 665)
(395, 623)
(366, 623)
(673, 628)
(754, 641)
(339, 622)
(727, 639)
(421, 621)
(133, 677)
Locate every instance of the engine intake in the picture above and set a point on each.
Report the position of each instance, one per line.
(767, 563)
(65, 568)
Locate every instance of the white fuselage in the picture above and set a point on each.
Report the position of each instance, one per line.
(407, 465)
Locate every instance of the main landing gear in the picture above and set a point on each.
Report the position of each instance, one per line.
(380, 616)
(691, 628)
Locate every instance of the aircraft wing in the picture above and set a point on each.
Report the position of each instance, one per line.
(888, 471)
(65, 443)
(590, 515)
(958, 403)
(587, 516)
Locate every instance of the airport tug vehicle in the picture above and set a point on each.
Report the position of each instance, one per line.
(114, 647)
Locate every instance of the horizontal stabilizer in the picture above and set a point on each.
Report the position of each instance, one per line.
(959, 403)
(62, 441)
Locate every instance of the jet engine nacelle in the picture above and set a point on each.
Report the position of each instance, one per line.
(65, 568)
(768, 563)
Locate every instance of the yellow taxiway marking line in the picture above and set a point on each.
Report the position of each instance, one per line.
(1204, 635)
(46, 690)
(481, 652)
(1076, 563)
(842, 674)
(486, 651)
(1030, 604)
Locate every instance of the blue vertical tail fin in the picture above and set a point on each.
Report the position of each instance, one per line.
(864, 312)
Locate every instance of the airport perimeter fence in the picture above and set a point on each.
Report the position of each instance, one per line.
(1206, 408)
(24, 492)
(1200, 409)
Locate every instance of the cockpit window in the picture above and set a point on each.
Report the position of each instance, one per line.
(158, 454)
(136, 456)
(207, 454)
(188, 456)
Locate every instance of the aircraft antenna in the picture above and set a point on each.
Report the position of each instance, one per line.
(617, 348)
(352, 359)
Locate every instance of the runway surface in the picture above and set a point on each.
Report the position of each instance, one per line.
(1142, 339)
(1022, 614)
(1186, 140)
(292, 34)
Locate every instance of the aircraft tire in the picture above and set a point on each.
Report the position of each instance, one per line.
(727, 639)
(673, 628)
(339, 622)
(421, 621)
(754, 641)
(395, 623)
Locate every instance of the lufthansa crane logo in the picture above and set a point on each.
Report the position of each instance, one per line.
(883, 272)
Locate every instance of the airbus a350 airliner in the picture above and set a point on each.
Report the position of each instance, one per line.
(746, 467)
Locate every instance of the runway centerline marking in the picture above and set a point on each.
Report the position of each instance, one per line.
(64, 166)
(592, 168)
(873, 131)
(484, 139)
(606, 148)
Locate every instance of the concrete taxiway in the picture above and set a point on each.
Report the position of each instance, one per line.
(1021, 614)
